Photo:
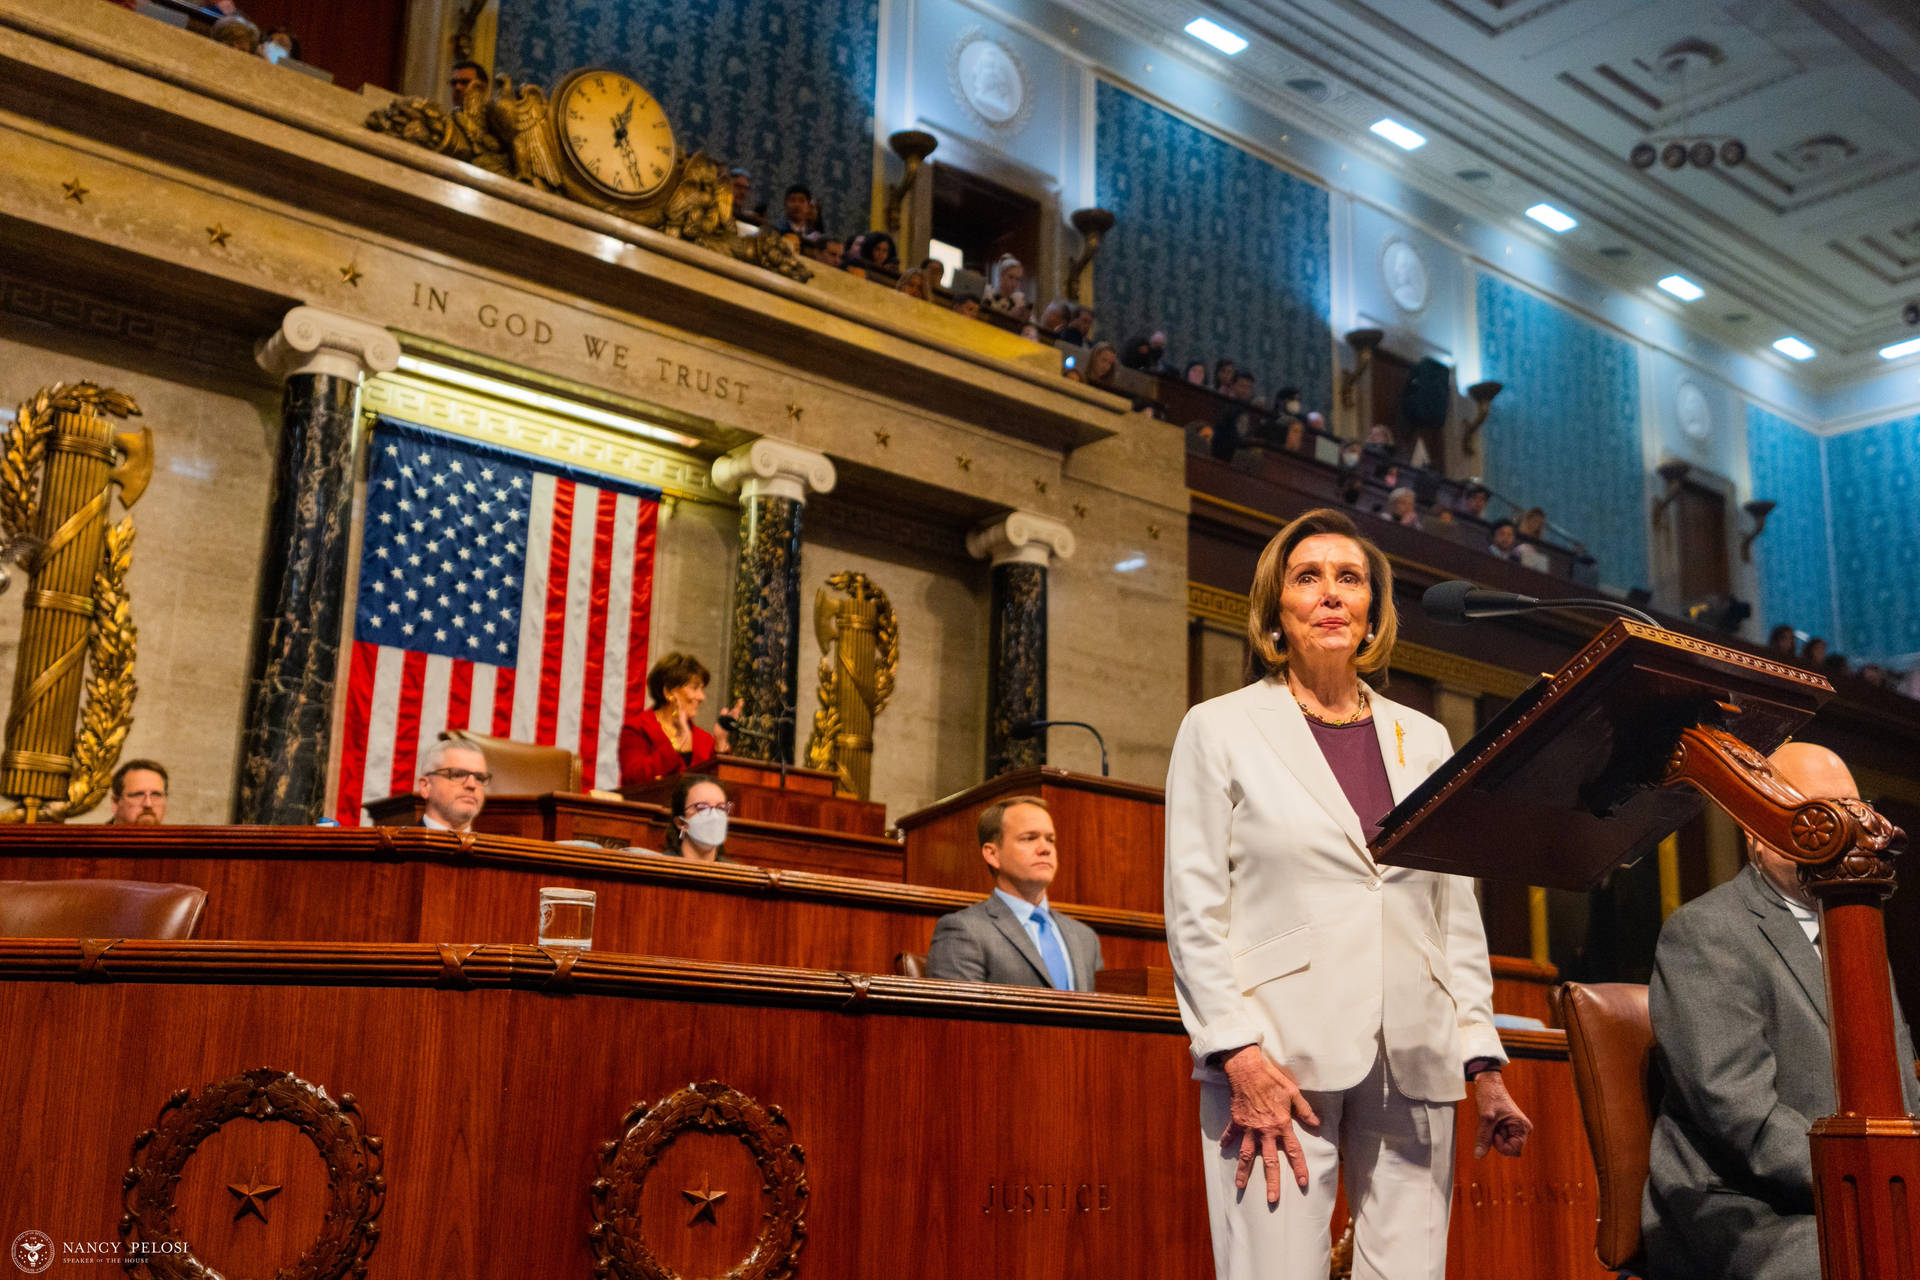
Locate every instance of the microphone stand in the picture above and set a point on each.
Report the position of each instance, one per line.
(1034, 728)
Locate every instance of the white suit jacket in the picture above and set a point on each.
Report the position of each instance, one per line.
(1283, 930)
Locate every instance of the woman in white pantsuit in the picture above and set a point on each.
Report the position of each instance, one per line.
(1337, 1007)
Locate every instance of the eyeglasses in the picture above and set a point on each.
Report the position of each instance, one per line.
(458, 776)
(725, 806)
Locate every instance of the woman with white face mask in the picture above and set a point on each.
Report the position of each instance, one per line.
(700, 812)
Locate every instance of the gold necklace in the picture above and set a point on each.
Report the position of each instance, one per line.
(1360, 713)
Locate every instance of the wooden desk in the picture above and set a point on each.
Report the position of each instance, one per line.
(617, 824)
(1112, 834)
(795, 797)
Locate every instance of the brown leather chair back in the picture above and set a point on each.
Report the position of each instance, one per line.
(522, 768)
(99, 909)
(910, 964)
(1610, 1042)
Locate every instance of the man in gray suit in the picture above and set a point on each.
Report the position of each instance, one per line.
(1739, 1009)
(1012, 937)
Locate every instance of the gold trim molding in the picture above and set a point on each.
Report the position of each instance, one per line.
(1229, 609)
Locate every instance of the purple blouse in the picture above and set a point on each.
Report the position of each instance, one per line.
(1353, 753)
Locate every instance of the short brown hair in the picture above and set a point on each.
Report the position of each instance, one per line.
(119, 785)
(1266, 643)
(673, 671)
(993, 817)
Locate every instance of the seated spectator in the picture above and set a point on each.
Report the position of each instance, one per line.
(935, 271)
(1082, 323)
(1007, 290)
(1506, 541)
(1380, 438)
(1223, 372)
(1876, 675)
(1161, 366)
(1138, 354)
(1011, 937)
(667, 741)
(743, 209)
(236, 31)
(281, 45)
(1055, 320)
(876, 248)
(914, 284)
(969, 306)
(453, 781)
(1473, 501)
(1031, 332)
(139, 794)
(1814, 656)
(797, 213)
(1530, 556)
(464, 76)
(1101, 363)
(1243, 387)
(697, 820)
(832, 252)
(1835, 666)
(1782, 642)
(1533, 524)
(1402, 507)
(1196, 374)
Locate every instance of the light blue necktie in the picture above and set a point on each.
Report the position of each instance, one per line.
(1052, 952)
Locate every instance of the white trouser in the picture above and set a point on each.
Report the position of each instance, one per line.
(1398, 1156)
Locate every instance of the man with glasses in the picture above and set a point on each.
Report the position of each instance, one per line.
(453, 782)
(139, 793)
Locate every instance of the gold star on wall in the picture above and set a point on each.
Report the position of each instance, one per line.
(882, 438)
(966, 463)
(253, 1197)
(218, 236)
(1039, 486)
(75, 192)
(1080, 509)
(703, 1201)
(1153, 531)
(793, 412)
(351, 273)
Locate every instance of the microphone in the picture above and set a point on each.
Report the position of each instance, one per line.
(1036, 728)
(1459, 602)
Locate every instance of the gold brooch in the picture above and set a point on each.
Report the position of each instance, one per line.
(1400, 740)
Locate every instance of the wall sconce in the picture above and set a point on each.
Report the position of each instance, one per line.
(1482, 394)
(1093, 225)
(913, 146)
(1759, 509)
(1363, 341)
(1674, 473)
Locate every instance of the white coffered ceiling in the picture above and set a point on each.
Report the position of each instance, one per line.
(1818, 233)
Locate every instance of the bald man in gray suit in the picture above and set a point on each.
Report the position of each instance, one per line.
(1739, 1010)
(1013, 937)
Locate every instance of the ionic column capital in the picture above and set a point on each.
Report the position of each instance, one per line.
(1022, 537)
(770, 468)
(310, 340)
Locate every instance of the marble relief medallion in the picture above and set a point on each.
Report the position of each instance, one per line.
(1692, 411)
(1404, 273)
(989, 80)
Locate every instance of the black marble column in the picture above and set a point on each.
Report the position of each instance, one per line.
(763, 662)
(1016, 665)
(297, 620)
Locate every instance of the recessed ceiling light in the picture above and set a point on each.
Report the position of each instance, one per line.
(1551, 218)
(1682, 288)
(1793, 349)
(1910, 347)
(1398, 134)
(1211, 32)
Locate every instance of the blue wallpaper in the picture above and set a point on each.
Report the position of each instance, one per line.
(1565, 434)
(1225, 252)
(783, 88)
(1790, 558)
(1873, 478)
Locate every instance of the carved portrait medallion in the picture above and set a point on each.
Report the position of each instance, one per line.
(1404, 272)
(990, 82)
(1692, 410)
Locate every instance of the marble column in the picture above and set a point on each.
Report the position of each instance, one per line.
(303, 576)
(773, 479)
(1021, 546)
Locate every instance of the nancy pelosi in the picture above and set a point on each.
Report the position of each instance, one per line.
(1338, 1008)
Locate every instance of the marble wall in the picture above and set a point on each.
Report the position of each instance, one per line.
(196, 557)
(1796, 583)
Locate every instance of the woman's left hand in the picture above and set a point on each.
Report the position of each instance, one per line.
(1503, 1126)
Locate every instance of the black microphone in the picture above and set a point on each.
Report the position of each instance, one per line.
(1459, 602)
(1034, 728)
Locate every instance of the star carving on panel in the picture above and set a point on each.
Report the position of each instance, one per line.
(218, 236)
(75, 192)
(703, 1199)
(794, 412)
(966, 463)
(1080, 510)
(1153, 531)
(351, 274)
(1039, 486)
(253, 1196)
(882, 437)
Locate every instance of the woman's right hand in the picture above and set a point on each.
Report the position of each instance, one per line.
(1266, 1101)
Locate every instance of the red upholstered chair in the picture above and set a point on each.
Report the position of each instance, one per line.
(1610, 1043)
(99, 909)
(523, 768)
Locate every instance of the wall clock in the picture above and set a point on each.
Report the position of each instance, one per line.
(614, 137)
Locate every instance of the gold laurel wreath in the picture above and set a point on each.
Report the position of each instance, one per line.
(826, 720)
(111, 635)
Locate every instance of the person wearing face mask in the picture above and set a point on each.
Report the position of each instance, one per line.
(1338, 1009)
(666, 741)
(700, 810)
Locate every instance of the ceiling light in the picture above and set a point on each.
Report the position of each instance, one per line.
(1398, 134)
(1551, 218)
(1793, 349)
(1216, 35)
(1682, 288)
(1908, 348)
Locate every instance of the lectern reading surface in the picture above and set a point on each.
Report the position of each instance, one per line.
(1564, 784)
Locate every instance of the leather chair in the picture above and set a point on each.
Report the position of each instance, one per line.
(522, 768)
(99, 909)
(1610, 1043)
(910, 964)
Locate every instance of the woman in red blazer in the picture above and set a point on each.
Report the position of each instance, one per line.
(666, 741)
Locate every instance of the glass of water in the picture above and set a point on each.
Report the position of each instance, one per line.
(566, 917)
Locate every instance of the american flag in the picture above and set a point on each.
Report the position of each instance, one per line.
(498, 593)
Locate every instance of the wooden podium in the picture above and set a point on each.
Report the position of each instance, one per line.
(1592, 767)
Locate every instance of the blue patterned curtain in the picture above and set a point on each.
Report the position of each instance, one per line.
(1565, 434)
(1873, 499)
(1224, 251)
(783, 88)
(1790, 559)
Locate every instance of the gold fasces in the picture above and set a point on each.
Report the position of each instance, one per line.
(860, 642)
(58, 468)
